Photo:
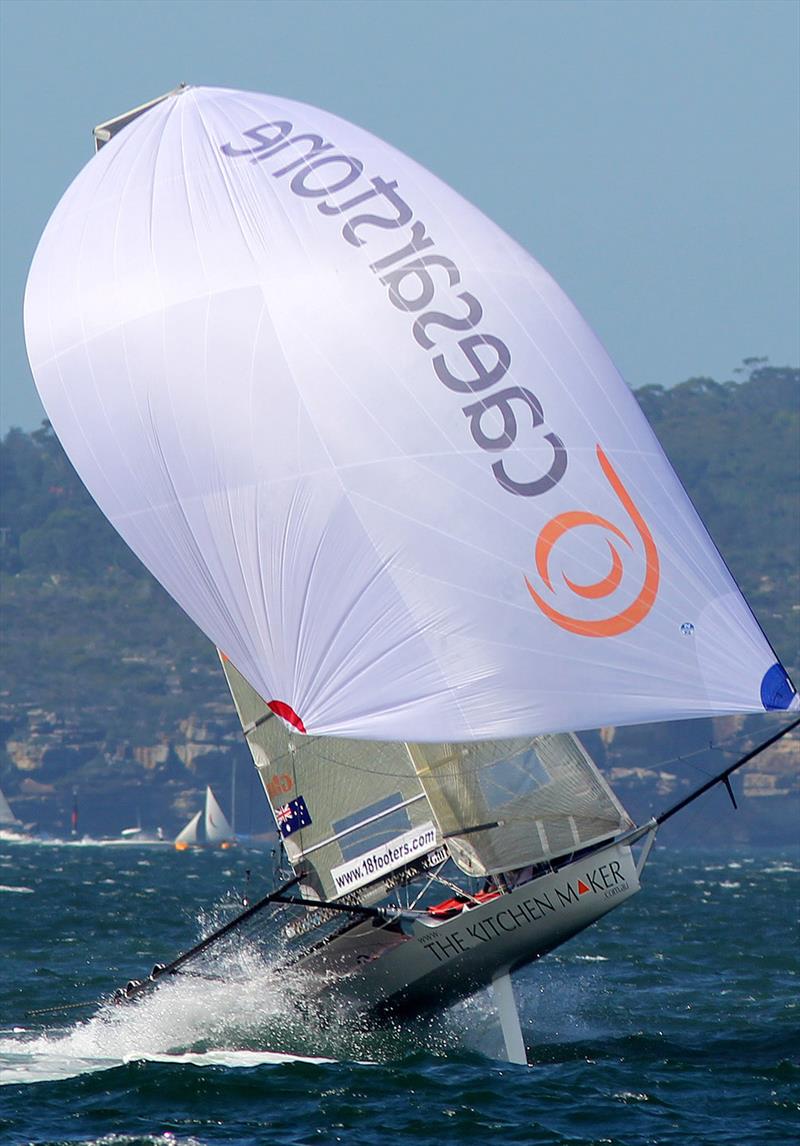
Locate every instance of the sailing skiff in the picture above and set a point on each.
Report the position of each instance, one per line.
(371, 448)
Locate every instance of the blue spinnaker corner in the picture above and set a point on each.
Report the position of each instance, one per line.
(777, 691)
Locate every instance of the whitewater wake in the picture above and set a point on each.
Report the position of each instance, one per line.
(253, 1013)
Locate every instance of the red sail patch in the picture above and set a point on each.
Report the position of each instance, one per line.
(287, 713)
(582, 888)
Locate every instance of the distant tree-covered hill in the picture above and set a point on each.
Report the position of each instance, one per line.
(98, 664)
(736, 448)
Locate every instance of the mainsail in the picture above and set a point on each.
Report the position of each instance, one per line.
(496, 805)
(216, 823)
(507, 804)
(333, 800)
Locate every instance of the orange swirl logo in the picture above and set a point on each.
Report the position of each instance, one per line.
(606, 586)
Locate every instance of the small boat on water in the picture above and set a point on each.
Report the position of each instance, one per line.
(371, 448)
(140, 835)
(207, 828)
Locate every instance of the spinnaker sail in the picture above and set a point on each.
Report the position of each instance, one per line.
(368, 444)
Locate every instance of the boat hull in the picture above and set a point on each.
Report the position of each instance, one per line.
(427, 962)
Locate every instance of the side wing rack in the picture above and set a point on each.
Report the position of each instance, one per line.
(723, 777)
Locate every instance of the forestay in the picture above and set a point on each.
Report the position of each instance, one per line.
(367, 443)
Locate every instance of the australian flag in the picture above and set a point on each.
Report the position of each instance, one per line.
(292, 817)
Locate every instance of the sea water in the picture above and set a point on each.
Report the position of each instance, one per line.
(674, 1020)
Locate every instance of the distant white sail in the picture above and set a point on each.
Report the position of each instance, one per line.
(7, 817)
(368, 444)
(189, 834)
(217, 826)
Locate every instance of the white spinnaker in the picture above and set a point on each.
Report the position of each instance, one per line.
(217, 826)
(262, 334)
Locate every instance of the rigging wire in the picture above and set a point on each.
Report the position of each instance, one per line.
(724, 776)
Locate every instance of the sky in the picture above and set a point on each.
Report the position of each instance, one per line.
(645, 152)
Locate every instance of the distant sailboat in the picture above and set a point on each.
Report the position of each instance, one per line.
(11, 827)
(7, 817)
(216, 831)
